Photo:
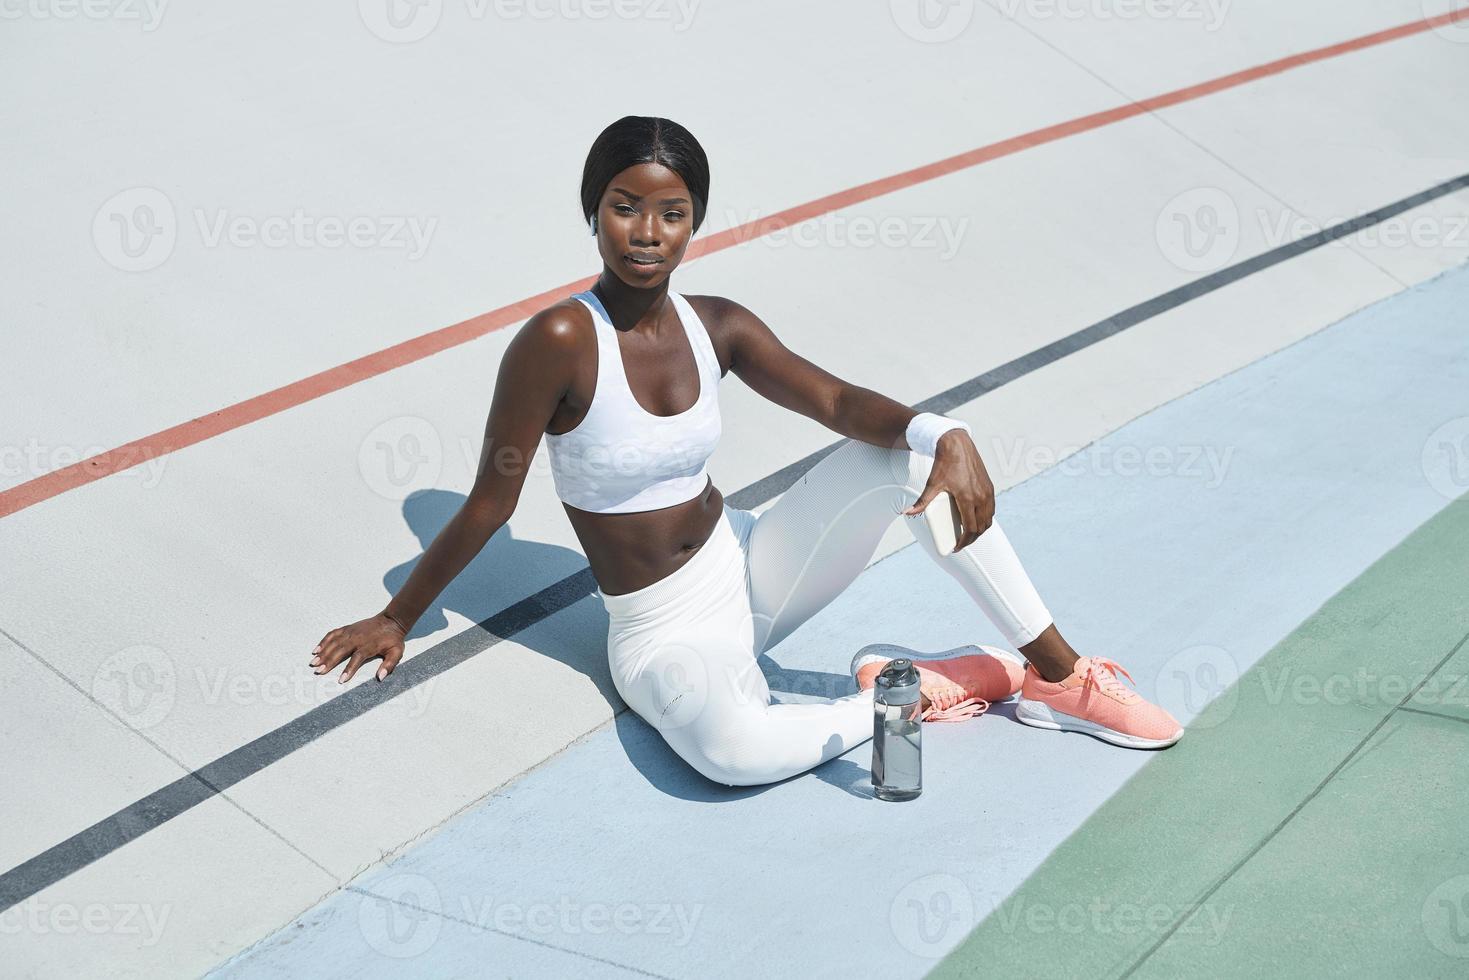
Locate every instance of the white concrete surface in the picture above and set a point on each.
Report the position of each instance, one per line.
(226, 561)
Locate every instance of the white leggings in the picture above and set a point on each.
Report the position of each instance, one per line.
(683, 650)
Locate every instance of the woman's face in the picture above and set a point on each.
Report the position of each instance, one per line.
(644, 223)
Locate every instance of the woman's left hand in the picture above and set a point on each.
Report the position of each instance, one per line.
(958, 469)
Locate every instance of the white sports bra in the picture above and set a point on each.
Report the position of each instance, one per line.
(622, 458)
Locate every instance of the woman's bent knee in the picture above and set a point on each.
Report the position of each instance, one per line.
(735, 751)
(731, 768)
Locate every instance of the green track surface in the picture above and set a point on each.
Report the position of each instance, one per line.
(1313, 822)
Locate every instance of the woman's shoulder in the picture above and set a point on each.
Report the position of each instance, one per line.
(561, 334)
(724, 320)
(719, 312)
(565, 323)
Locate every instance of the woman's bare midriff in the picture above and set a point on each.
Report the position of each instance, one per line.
(628, 552)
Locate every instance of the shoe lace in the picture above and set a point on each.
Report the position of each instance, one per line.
(1102, 674)
(943, 707)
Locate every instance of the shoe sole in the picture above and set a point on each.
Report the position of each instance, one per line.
(891, 651)
(1037, 714)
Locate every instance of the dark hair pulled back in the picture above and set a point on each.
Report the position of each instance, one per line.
(632, 140)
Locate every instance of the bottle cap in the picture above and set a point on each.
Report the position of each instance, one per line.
(898, 682)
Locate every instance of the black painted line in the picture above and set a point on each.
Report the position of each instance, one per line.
(162, 805)
(1435, 714)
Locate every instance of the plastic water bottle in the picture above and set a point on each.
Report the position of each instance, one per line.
(897, 746)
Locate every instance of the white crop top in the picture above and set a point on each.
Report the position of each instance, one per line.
(622, 458)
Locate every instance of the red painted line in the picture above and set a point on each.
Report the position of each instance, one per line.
(299, 392)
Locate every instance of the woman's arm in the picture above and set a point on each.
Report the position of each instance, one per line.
(788, 379)
(534, 375)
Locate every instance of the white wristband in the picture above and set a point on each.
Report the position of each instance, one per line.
(924, 431)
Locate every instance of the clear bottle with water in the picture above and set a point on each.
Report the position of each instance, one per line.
(897, 747)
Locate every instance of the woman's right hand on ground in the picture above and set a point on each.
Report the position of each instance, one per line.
(368, 639)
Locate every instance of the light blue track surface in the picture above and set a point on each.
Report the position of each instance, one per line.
(616, 852)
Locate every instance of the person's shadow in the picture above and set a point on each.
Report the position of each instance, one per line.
(509, 569)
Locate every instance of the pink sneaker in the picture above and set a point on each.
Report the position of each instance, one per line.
(958, 683)
(1094, 701)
